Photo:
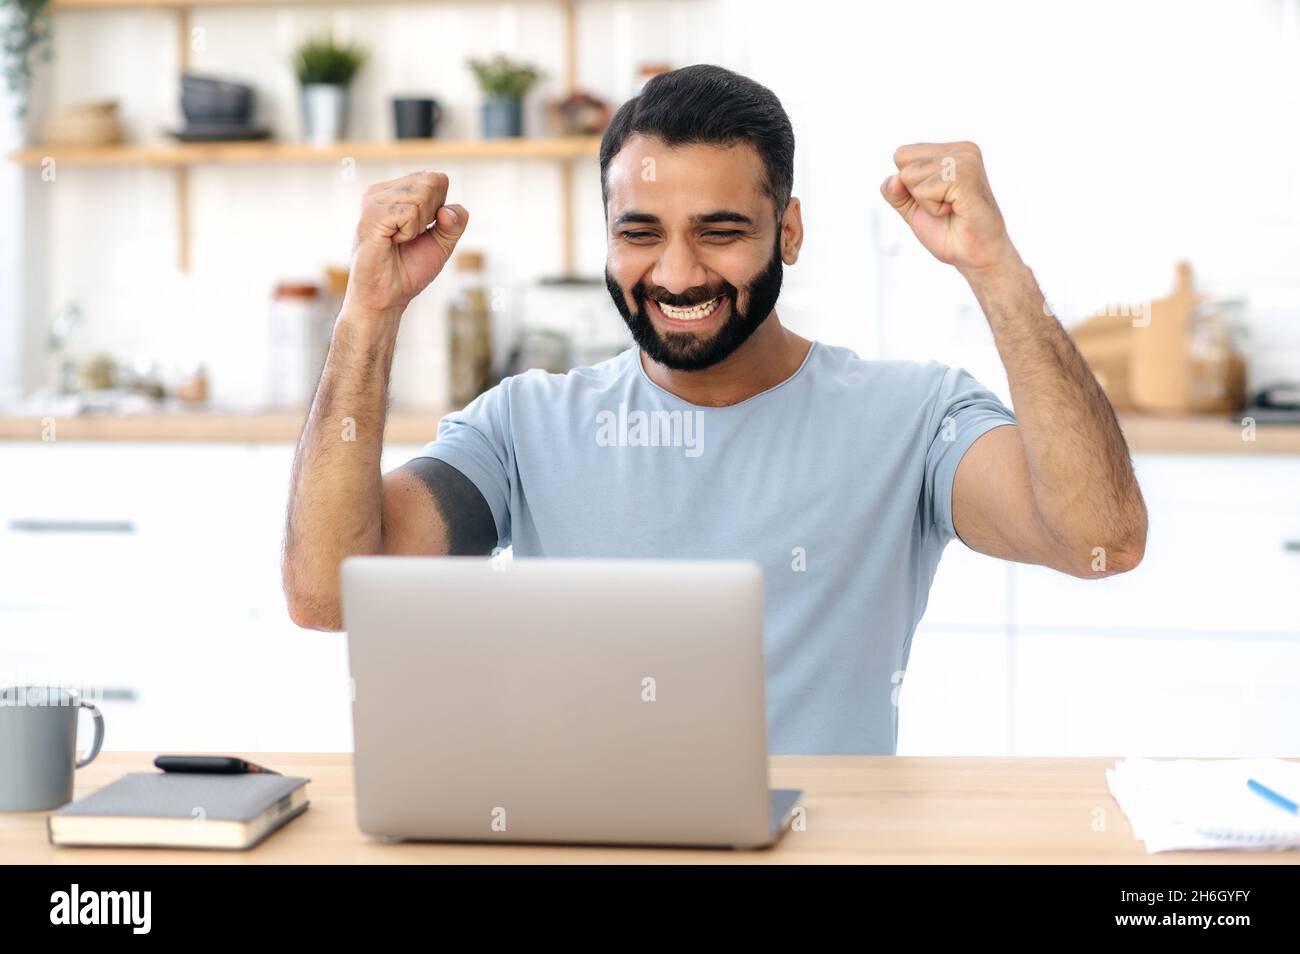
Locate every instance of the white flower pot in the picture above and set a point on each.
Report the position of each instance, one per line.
(324, 113)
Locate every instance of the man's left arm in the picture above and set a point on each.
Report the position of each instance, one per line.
(1058, 489)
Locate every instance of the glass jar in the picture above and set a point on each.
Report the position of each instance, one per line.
(470, 328)
(294, 354)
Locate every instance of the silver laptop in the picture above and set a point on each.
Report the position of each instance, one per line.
(578, 701)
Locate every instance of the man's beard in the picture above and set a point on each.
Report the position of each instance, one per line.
(683, 351)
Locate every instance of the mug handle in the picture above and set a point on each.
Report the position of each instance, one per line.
(99, 735)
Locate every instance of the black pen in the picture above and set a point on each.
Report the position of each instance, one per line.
(210, 764)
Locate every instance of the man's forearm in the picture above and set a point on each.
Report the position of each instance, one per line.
(335, 494)
(1084, 489)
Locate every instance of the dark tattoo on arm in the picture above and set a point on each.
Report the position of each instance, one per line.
(471, 529)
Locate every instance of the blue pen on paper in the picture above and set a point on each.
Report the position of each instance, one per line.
(1281, 801)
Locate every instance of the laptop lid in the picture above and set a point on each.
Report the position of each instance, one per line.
(558, 700)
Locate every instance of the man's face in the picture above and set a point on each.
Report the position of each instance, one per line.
(694, 263)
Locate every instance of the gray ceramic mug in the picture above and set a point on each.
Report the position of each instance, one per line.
(38, 746)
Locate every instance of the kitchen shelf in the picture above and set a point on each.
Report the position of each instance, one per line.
(182, 154)
(178, 4)
(179, 157)
(1146, 434)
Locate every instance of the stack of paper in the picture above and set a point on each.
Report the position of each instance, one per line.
(1183, 804)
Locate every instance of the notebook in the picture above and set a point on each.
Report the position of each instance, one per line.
(181, 810)
(1199, 804)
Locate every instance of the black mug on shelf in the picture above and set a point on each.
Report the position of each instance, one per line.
(416, 117)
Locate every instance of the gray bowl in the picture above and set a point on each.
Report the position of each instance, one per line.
(206, 99)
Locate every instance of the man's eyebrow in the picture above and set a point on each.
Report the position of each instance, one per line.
(643, 218)
(707, 218)
(722, 215)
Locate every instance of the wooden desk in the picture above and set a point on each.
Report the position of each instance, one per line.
(859, 809)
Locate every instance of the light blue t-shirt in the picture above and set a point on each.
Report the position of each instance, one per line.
(837, 481)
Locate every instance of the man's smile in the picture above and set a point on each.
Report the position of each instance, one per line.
(695, 318)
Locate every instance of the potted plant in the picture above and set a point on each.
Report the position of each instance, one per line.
(25, 38)
(325, 69)
(504, 84)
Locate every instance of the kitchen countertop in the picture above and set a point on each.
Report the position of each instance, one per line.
(1158, 434)
(271, 427)
(1149, 434)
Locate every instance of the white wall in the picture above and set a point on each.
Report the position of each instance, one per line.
(1119, 138)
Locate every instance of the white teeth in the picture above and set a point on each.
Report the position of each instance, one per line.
(694, 313)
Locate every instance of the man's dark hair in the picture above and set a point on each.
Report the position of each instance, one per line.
(708, 104)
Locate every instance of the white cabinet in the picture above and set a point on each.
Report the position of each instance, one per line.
(1195, 652)
(1156, 695)
(299, 693)
(121, 526)
(1223, 555)
(152, 572)
(953, 698)
(168, 680)
(970, 590)
(121, 575)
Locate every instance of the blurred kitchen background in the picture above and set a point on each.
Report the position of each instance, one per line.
(180, 182)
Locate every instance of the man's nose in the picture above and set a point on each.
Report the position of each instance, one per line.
(678, 269)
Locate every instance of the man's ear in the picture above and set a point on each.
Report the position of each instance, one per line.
(791, 232)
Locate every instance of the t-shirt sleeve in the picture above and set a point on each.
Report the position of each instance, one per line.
(477, 442)
(963, 411)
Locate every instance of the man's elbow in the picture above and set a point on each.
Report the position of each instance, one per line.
(1132, 544)
(1124, 556)
(308, 606)
(1120, 553)
(314, 614)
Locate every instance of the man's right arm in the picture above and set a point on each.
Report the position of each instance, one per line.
(340, 504)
